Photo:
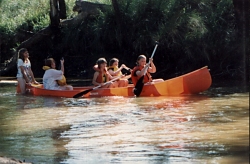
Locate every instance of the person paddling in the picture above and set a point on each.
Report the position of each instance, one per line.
(140, 69)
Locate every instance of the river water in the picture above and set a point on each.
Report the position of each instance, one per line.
(212, 127)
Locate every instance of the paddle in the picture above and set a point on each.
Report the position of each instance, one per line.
(139, 85)
(88, 90)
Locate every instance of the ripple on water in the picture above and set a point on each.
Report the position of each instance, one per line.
(187, 129)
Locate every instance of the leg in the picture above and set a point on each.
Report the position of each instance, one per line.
(154, 81)
(65, 87)
(157, 80)
(120, 83)
(113, 85)
(21, 83)
(123, 83)
(69, 87)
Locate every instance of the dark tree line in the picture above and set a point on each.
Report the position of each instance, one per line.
(191, 34)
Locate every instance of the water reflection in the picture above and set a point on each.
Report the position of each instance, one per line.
(30, 130)
(205, 128)
(163, 130)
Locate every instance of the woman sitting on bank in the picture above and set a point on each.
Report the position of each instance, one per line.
(115, 71)
(102, 76)
(141, 68)
(52, 77)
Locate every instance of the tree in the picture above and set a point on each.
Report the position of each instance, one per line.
(57, 12)
(242, 14)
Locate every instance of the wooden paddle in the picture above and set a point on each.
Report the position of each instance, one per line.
(88, 90)
(139, 85)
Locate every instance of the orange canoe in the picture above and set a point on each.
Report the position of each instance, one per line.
(190, 83)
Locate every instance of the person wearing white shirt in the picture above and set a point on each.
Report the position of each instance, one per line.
(24, 73)
(52, 76)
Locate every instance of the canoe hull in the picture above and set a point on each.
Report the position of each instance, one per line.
(191, 83)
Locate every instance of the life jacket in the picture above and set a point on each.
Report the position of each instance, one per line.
(61, 82)
(102, 77)
(115, 68)
(135, 78)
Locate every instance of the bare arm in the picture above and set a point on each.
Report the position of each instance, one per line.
(62, 65)
(142, 72)
(147, 67)
(32, 76)
(94, 79)
(110, 77)
(151, 69)
(95, 67)
(115, 73)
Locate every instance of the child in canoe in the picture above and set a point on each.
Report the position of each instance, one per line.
(54, 79)
(101, 75)
(139, 70)
(115, 71)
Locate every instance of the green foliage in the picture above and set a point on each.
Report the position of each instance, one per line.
(19, 20)
(221, 42)
(192, 33)
(26, 13)
(15, 13)
(174, 23)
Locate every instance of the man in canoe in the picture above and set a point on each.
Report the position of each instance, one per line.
(54, 79)
(139, 70)
(102, 76)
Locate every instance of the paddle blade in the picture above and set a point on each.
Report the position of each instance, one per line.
(138, 87)
(80, 94)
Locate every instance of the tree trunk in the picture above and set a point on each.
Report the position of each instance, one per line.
(62, 9)
(117, 12)
(241, 9)
(83, 8)
(118, 18)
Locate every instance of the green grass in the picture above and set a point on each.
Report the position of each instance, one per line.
(26, 13)
(29, 13)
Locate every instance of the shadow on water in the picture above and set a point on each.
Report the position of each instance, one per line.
(223, 88)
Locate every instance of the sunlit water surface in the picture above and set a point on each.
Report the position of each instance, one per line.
(212, 127)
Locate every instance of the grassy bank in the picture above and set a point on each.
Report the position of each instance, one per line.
(26, 15)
